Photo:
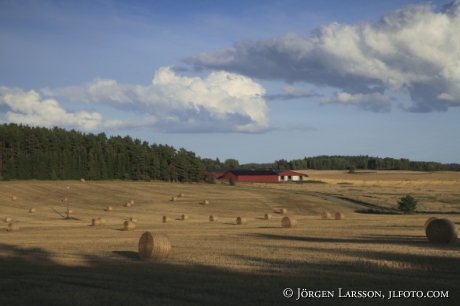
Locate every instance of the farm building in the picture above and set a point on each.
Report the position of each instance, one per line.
(288, 175)
(267, 176)
(218, 172)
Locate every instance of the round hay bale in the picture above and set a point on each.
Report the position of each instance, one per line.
(82, 180)
(441, 231)
(69, 212)
(128, 204)
(109, 208)
(154, 246)
(283, 211)
(64, 200)
(133, 219)
(181, 195)
(205, 202)
(184, 217)
(429, 220)
(267, 216)
(213, 218)
(96, 222)
(166, 219)
(13, 227)
(129, 226)
(131, 201)
(173, 199)
(32, 210)
(288, 222)
(241, 221)
(14, 198)
(339, 216)
(101, 221)
(7, 220)
(325, 215)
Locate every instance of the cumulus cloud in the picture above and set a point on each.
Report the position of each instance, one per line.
(411, 50)
(221, 102)
(30, 108)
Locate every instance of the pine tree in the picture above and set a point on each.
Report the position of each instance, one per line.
(407, 204)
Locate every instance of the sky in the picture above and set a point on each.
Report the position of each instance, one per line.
(256, 81)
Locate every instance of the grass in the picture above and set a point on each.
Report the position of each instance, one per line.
(52, 261)
(310, 182)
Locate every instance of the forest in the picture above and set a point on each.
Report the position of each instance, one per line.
(359, 162)
(57, 154)
(51, 154)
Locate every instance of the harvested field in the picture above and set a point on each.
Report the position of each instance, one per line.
(215, 262)
(435, 191)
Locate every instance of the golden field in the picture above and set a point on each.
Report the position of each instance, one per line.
(52, 260)
(435, 191)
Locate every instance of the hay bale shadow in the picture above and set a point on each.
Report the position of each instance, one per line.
(127, 254)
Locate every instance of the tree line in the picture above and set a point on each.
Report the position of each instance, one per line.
(338, 162)
(48, 154)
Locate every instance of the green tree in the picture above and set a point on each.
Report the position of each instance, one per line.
(407, 204)
(231, 163)
(211, 178)
(54, 176)
(231, 181)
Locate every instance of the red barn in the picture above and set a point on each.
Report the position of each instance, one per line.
(265, 176)
(217, 172)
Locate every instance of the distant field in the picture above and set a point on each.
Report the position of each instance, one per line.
(53, 261)
(435, 191)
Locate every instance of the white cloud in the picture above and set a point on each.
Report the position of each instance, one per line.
(222, 102)
(445, 96)
(31, 109)
(413, 50)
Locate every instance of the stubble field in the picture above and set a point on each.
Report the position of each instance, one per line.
(54, 261)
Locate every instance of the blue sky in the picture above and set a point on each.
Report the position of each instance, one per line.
(251, 80)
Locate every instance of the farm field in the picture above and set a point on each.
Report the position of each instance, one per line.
(435, 191)
(55, 261)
